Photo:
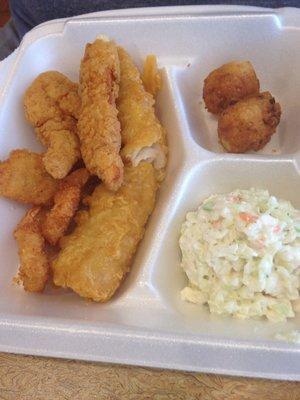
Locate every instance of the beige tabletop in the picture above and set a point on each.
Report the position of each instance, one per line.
(37, 378)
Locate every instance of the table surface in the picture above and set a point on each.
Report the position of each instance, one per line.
(37, 378)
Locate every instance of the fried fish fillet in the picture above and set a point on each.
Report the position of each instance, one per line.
(143, 137)
(34, 265)
(52, 105)
(96, 256)
(98, 125)
(66, 202)
(24, 178)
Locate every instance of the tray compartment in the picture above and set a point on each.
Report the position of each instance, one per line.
(276, 64)
(280, 177)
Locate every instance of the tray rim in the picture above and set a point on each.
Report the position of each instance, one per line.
(30, 329)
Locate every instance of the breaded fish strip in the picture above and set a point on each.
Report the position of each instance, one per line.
(143, 137)
(66, 202)
(98, 125)
(34, 265)
(52, 105)
(23, 178)
(96, 256)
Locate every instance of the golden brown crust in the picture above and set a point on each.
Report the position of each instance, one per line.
(34, 265)
(228, 84)
(77, 178)
(151, 76)
(66, 202)
(57, 220)
(51, 105)
(96, 256)
(98, 125)
(140, 127)
(23, 178)
(249, 124)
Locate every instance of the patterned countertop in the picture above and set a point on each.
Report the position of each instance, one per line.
(37, 378)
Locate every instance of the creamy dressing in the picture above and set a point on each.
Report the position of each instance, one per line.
(241, 254)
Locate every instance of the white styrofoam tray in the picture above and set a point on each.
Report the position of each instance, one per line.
(146, 323)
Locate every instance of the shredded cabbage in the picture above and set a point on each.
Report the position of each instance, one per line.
(241, 254)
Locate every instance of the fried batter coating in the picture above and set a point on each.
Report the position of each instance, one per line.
(24, 178)
(77, 178)
(151, 76)
(66, 202)
(57, 220)
(228, 84)
(249, 124)
(34, 265)
(96, 256)
(98, 125)
(52, 105)
(143, 137)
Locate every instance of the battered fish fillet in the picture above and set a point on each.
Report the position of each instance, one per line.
(52, 105)
(228, 84)
(143, 137)
(96, 256)
(24, 178)
(249, 124)
(66, 202)
(98, 125)
(34, 266)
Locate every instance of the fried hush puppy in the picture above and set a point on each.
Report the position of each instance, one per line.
(228, 84)
(96, 256)
(51, 106)
(98, 125)
(143, 137)
(249, 124)
(66, 202)
(24, 178)
(34, 265)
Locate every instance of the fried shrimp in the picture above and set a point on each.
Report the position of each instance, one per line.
(66, 202)
(98, 125)
(228, 84)
(249, 124)
(24, 178)
(34, 265)
(51, 106)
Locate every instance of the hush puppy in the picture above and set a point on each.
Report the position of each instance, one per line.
(249, 124)
(228, 84)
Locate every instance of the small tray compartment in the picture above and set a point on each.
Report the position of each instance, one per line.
(280, 177)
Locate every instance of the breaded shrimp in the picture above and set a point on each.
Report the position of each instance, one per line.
(98, 125)
(52, 105)
(34, 265)
(66, 202)
(24, 178)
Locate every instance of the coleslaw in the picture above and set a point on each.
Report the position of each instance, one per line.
(241, 254)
